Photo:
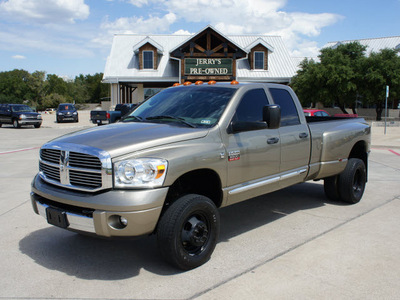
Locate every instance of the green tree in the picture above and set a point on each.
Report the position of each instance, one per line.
(341, 68)
(308, 82)
(56, 85)
(381, 69)
(37, 85)
(335, 79)
(13, 86)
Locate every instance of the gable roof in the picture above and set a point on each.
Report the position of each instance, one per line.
(259, 41)
(149, 40)
(209, 27)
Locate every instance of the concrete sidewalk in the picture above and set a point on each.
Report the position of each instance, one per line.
(381, 140)
(344, 263)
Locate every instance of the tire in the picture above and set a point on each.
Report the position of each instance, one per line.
(331, 188)
(16, 124)
(37, 125)
(352, 180)
(188, 231)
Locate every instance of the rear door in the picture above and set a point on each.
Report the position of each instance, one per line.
(295, 138)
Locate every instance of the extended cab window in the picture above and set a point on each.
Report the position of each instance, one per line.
(289, 114)
(251, 106)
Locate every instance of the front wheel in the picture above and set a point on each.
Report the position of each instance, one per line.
(188, 231)
(16, 124)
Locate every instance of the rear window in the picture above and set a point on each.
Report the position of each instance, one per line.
(289, 114)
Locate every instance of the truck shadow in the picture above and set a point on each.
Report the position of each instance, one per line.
(103, 259)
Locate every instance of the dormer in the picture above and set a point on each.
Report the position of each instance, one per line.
(148, 52)
(258, 54)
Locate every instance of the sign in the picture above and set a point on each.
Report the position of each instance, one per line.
(387, 91)
(208, 66)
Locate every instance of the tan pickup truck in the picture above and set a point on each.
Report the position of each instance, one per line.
(187, 151)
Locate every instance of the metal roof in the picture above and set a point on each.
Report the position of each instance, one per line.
(123, 65)
(373, 44)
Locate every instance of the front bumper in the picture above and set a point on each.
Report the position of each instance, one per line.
(63, 118)
(30, 121)
(100, 213)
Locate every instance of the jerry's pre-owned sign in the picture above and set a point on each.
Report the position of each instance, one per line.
(208, 66)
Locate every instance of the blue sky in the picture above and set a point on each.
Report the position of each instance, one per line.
(72, 37)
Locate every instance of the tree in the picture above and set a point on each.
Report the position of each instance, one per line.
(13, 86)
(335, 79)
(308, 82)
(381, 69)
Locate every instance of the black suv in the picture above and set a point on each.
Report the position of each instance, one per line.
(66, 112)
(19, 114)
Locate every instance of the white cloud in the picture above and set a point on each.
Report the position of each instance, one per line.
(256, 17)
(138, 3)
(183, 32)
(133, 25)
(46, 11)
(17, 56)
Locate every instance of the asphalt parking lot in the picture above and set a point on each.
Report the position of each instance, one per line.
(289, 244)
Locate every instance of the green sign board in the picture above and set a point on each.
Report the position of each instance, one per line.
(208, 66)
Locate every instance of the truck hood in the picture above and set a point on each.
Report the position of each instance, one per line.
(122, 138)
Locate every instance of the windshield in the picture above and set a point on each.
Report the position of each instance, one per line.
(22, 108)
(66, 107)
(194, 106)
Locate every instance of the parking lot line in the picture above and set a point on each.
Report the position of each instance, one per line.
(19, 150)
(394, 152)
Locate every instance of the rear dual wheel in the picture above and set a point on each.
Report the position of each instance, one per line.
(188, 231)
(349, 185)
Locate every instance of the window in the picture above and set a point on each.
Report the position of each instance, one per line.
(251, 106)
(148, 60)
(259, 60)
(289, 115)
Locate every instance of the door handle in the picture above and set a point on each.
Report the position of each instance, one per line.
(273, 140)
(303, 135)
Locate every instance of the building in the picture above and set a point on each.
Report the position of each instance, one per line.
(373, 44)
(141, 65)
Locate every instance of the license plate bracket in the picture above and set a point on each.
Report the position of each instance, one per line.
(57, 217)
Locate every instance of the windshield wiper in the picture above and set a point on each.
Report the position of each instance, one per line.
(132, 118)
(180, 120)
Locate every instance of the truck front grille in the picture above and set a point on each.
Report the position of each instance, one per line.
(75, 170)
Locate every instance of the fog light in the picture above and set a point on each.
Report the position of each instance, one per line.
(123, 221)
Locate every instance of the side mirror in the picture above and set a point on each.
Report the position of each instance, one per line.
(272, 115)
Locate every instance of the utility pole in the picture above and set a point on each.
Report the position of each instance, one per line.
(386, 109)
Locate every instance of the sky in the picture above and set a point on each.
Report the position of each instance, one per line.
(72, 37)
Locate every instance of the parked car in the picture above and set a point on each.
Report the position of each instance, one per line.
(101, 117)
(18, 115)
(315, 113)
(66, 112)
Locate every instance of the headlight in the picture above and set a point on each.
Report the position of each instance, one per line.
(60, 114)
(39, 117)
(140, 173)
(22, 116)
(74, 113)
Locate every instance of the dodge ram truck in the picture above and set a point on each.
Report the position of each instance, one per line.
(168, 166)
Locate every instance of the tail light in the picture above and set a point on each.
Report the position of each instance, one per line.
(108, 116)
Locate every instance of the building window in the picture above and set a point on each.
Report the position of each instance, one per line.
(148, 60)
(259, 60)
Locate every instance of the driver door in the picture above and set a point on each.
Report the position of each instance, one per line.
(253, 155)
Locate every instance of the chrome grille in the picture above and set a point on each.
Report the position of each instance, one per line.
(75, 170)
